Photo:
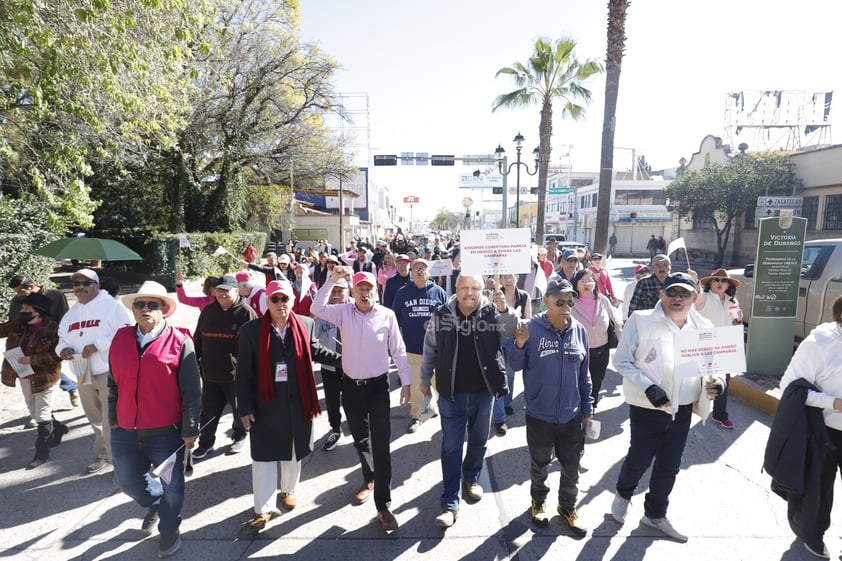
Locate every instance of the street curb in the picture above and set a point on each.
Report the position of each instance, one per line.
(754, 394)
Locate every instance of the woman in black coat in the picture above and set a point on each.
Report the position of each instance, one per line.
(276, 397)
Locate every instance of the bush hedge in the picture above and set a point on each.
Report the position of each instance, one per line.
(25, 225)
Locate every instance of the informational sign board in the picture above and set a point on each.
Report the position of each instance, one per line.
(441, 267)
(777, 275)
(710, 352)
(496, 252)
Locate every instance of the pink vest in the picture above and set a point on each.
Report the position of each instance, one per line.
(148, 394)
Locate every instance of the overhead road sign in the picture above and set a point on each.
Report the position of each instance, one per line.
(386, 160)
(410, 200)
(407, 158)
(422, 158)
(442, 160)
(478, 159)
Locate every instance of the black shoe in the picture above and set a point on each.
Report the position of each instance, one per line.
(149, 521)
(170, 543)
(414, 425)
(201, 452)
(500, 429)
(332, 440)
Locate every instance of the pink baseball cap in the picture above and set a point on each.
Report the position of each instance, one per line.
(281, 286)
(641, 269)
(365, 277)
(243, 276)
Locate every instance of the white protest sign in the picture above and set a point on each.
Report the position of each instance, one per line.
(495, 252)
(441, 267)
(710, 352)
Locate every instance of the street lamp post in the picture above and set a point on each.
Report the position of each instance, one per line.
(501, 163)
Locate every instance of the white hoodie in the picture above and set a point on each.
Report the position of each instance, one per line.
(817, 361)
(94, 323)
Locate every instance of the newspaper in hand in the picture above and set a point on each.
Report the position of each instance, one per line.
(13, 356)
(79, 368)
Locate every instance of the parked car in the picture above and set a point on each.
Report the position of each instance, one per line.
(820, 285)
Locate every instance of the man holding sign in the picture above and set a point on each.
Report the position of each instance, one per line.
(660, 399)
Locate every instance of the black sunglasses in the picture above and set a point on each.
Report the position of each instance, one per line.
(560, 303)
(573, 260)
(726, 281)
(83, 283)
(151, 305)
(281, 299)
(676, 293)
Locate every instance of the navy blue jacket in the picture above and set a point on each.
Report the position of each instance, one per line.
(413, 307)
(556, 381)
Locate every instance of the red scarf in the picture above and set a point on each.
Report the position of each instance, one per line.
(303, 365)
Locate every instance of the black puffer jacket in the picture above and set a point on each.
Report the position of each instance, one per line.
(441, 346)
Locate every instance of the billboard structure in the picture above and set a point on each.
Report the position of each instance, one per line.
(778, 119)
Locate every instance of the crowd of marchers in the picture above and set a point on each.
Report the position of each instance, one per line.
(153, 392)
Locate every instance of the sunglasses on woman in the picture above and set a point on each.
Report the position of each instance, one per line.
(281, 299)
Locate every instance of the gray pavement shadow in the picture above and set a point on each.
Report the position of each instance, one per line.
(142, 548)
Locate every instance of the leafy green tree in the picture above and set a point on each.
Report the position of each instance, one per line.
(80, 80)
(613, 64)
(721, 193)
(447, 220)
(257, 129)
(551, 72)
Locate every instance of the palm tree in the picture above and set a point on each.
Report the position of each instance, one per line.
(614, 59)
(553, 71)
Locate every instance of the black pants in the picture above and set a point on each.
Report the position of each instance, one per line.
(597, 365)
(567, 441)
(828, 478)
(332, 384)
(367, 410)
(214, 397)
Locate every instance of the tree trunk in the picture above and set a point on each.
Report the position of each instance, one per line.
(614, 60)
(545, 133)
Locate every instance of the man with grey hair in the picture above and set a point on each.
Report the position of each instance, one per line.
(647, 292)
(462, 347)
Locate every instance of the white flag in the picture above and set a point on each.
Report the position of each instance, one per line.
(164, 471)
(304, 290)
(219, 251)
(183, 241)
(676, 244)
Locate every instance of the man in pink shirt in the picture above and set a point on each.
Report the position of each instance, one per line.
(369, 335)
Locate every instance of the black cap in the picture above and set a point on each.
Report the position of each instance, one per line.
(39, 303)
(682, 280)
(559, 286)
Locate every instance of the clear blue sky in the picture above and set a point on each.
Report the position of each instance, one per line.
(429, 70)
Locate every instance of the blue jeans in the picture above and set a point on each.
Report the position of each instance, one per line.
(67, 383)
(500, 404)
(654, 435)
(471, 411)
(132, 456)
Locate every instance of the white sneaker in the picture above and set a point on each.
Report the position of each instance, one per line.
(663, 525)
(619, 508)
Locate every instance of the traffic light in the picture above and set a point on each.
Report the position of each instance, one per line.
(442, 160)
(386, 160)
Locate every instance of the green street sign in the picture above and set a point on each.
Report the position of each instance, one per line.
(565, 190)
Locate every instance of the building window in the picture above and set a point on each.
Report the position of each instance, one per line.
(702, 221)
(832, 213)
(638, 197)
(810, 211)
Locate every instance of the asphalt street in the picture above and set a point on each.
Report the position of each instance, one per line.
(721, 499)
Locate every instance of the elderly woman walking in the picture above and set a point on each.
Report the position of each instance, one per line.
(35, 335)
(595, 312)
